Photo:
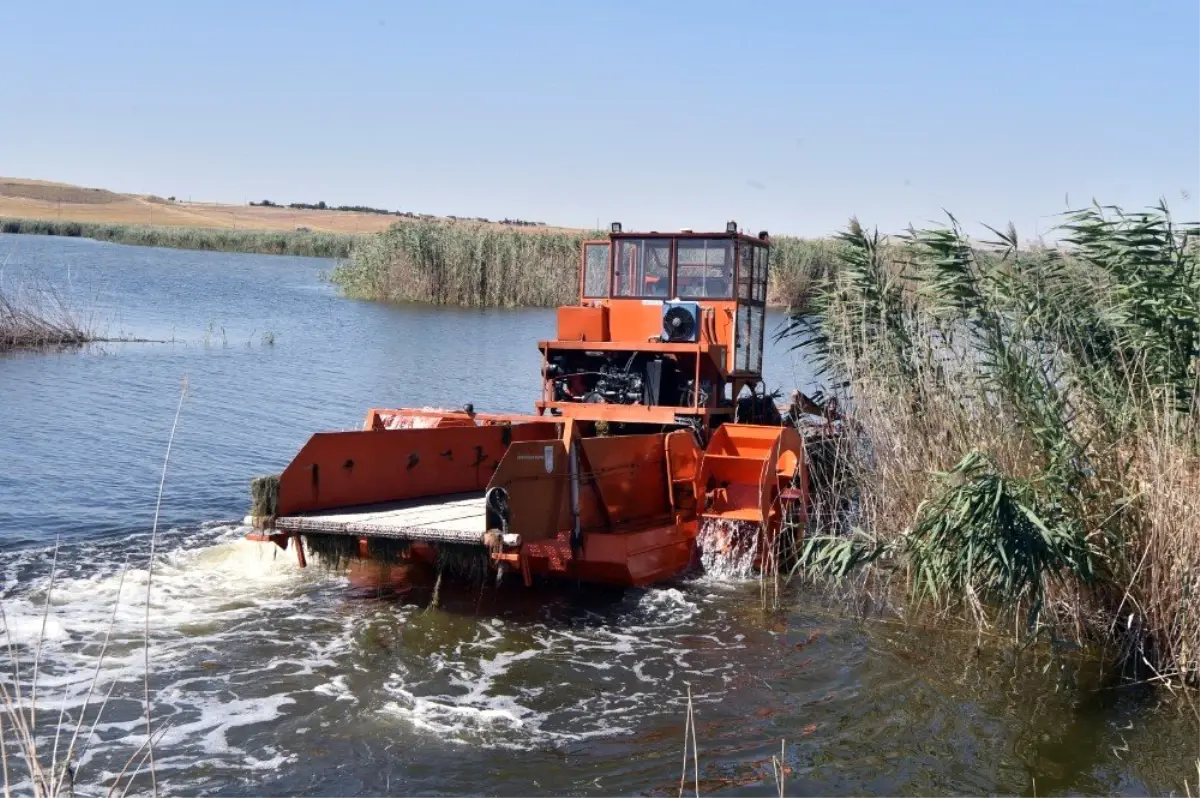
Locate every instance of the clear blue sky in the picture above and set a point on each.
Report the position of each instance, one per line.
(785, 115)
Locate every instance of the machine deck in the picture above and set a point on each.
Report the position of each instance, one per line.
(456, 518)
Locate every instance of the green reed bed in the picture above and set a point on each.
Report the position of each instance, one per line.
(799, 268)
(267, 242)
(476, 265)
(1025, 445)
(463, 264)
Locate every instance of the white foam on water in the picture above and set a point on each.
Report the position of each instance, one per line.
(25, 627)
(242, 639)
(200, 597)
(336, 688)
(728, 549)
(668, 606)
(274, 760)
(502, 700)
(215, 717)
(470, 711)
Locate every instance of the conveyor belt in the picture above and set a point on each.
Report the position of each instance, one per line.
(455, 518)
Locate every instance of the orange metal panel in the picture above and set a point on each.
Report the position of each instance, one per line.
(724, 321)
(683, 465)
(577, 323)
(632, 414)
(743, 440)
(634, 320)
(629, 472)
(637, 324)
(727, 468)
(534, 475)
(744, 468)
(343, 469)
(638, 557)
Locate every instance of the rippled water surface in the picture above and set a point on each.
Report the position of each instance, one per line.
(269, 680)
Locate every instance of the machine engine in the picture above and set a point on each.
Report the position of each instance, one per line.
(617, 386)
(621, 379)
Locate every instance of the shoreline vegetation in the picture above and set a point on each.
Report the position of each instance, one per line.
(1023, 451)
(38, 320)
(461, 263)
(304, 243)
(467, 264)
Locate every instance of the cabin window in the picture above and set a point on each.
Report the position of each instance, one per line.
(595, 270)
(760, 273)
(745, 270)
(643, 267)
(704, 268)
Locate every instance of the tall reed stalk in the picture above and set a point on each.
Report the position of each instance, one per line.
(1025, 441)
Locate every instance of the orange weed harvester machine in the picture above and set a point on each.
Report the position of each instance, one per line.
(651, 426)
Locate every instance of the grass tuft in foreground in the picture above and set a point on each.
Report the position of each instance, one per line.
(1025, 443)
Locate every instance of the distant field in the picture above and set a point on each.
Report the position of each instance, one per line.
(39, 199)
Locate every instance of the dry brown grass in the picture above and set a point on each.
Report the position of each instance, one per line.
(1161, 587)
(37, 199)
(44, 191)
(38, 319)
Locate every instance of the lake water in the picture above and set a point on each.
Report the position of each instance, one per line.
(269, 680)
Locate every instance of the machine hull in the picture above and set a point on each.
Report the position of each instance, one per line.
(525, 495)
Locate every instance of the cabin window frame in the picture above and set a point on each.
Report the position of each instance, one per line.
(750, 315)
(607, 267)
(730, 267)
(745, 272)
(643, 241)
(761, 272)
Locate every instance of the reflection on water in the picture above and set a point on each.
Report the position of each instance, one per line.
(270, 680)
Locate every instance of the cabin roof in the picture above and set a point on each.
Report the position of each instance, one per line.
(693, 234)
